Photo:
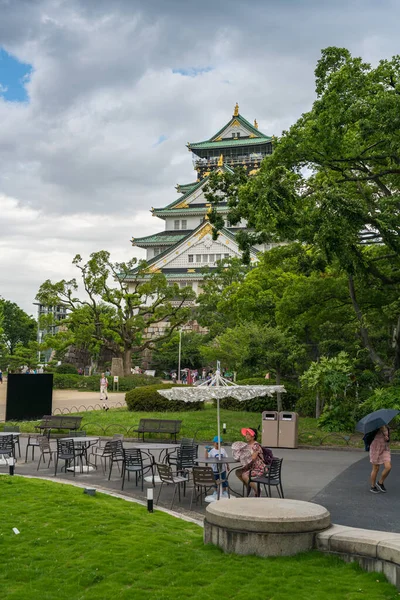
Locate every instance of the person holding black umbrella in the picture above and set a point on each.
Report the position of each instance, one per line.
(379, 454)
(376, 439)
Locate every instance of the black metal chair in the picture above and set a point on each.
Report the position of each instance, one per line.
(45, 450)
(203, 481)
(271, 478)
(7, 449)
(68, 452)
(168, 478)
(185, 460)
(14, 429)
(117, 454)
(132, 463)
(102, 452)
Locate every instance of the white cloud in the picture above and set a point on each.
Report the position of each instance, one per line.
(103, 136)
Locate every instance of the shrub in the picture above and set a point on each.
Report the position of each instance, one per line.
(253, 405)
(387, 397)
(66, 369)
(92, 383)
(255, 381)
(147, 399)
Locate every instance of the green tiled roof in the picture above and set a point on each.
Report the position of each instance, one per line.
(259, 139)
(186, 187)
(197, 185)
(229, 143)
(245, 124)
(164, 237)
(192, 210)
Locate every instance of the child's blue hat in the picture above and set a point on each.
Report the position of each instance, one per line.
(215, 440)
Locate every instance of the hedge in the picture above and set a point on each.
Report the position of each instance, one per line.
(66, 369)
(147, 399)
(92, 383)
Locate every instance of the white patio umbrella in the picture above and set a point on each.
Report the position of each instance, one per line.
(216, 388)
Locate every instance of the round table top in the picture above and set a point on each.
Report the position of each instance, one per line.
(212, 460)
(150, 446)
(5, 433)
(82, 439)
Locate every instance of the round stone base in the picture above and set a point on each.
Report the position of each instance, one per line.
(264, 526)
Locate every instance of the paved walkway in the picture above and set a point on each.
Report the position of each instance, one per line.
(336, 479)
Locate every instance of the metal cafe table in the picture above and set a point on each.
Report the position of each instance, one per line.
(220, 462)
(85, 443)
(147, 448)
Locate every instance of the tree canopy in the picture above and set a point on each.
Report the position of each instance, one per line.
(117, 307)
(333, 184)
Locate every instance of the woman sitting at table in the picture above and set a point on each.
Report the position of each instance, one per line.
(251, 457)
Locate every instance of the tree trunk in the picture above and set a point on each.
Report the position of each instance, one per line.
(317, 406)
(278, 394)
(396, 345)
(374, 356)
(127, 360)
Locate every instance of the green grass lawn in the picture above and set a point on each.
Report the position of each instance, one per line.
(76, 547)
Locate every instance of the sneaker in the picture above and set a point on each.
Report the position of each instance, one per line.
(215, 495)
(225, 495)
(373, 489)
(381, 487)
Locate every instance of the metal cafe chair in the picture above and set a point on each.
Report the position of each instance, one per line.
(68, 452)
(14, 429)
(133, 463)
(271, 478)
(168, 478)
(203, 481)
(45, 450)
(7, 447)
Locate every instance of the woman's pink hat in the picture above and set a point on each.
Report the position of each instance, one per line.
(246, 430)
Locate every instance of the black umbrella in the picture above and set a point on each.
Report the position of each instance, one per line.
(376, 419)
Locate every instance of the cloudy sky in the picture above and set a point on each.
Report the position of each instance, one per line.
(98, 99)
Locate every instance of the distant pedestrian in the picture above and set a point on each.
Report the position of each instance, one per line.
(1, 376)
(379, 454)
(103, 388)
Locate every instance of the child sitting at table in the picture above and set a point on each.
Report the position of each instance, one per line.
(215, 453)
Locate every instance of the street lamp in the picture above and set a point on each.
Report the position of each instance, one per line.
(179, 355)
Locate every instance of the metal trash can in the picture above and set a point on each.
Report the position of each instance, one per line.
(288, 429)
(269, 429)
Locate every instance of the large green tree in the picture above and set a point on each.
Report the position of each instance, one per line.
(333, 183)
(117, 306)
(17, 326)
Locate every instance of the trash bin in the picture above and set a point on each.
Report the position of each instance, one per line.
(288, 430)
(269, 429)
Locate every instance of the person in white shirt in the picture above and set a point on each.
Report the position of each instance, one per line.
(215, 453)
(103, 388)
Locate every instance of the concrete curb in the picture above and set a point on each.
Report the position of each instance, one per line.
(373, 550)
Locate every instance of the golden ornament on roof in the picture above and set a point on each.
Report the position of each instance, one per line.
(221, 160)
(255, 123)
(236, 110)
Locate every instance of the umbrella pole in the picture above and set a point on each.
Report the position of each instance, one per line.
(219, 430)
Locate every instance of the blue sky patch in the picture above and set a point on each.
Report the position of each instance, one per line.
(192, 71)
(13, 76)
(160, 140)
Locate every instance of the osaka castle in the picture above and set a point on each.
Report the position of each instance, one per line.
(186, 246)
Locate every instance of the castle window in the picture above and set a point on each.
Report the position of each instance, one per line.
(205, 258)
(226, 256)
(218, 257)
(198, 258)
(211, 258)
(176, 224)
(190, 257)
(184, 224)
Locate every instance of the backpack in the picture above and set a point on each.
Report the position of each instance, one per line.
(267, 455)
